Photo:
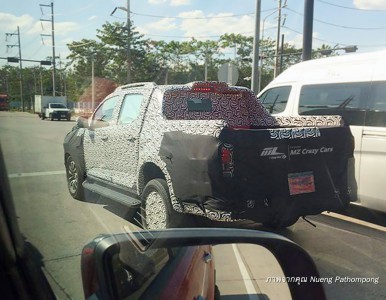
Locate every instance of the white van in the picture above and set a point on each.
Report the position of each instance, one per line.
(353, 86)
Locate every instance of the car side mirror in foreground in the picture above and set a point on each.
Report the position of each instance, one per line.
(198, 263)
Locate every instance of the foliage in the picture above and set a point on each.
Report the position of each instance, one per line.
(159, 61)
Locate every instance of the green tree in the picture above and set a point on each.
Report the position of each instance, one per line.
(206, 62)
(115, 38)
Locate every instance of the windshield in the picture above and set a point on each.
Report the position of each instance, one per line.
(137, 116)
(57, 105)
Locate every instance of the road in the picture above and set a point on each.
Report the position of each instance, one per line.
(58, 226)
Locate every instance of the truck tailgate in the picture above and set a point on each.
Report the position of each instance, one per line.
(303, 169)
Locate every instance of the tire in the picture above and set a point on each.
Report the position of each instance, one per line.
(156, 208)
(75, 177)
(51, 116)
(217, 294)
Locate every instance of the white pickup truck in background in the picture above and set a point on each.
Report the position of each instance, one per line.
(50, 107)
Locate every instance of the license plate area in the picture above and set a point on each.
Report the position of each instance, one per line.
(301, 183)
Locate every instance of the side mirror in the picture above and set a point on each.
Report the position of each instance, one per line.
(180, 264)
(81, 122)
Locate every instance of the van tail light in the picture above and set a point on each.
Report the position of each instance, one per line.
(227, 160)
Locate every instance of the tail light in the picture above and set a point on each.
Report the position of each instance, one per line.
(210, 86)
(88, 270)
(227, 160)
(213, 86)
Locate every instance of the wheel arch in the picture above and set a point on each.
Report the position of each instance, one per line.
(147, 172)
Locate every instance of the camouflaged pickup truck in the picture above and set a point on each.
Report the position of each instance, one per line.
(212, 150)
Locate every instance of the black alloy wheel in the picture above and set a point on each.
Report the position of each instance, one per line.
(75, 176)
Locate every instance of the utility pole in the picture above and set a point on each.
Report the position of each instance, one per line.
(53, 43)
(276, 69)
(206, 67)
(92, 83)
(255, 60)
(20, 63)
(307, 29)
(281, 53)
(128, 43)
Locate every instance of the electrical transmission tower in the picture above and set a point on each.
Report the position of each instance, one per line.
(52, 35)
(15, 60)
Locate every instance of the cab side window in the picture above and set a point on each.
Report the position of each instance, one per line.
(376, 115)
(275, 99)
(350, 100)
(130, 109)
(337, 95)
(104, 113)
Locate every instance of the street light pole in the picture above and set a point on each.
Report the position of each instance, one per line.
(128, 53)
(255, 61)
(276, 70)
(53, 51)
(262, 54)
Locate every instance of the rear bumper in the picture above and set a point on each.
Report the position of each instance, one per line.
(268, 196)
(264, 208)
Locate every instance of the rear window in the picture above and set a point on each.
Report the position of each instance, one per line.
(57, 105)
(197, 104)
(236, 106)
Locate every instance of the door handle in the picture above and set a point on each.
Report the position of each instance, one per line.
(131, 140)
(104, 138)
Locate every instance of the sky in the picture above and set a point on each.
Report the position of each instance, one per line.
(336, 22)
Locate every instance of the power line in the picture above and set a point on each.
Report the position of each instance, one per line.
(336, 25)
(189, 37)
(336, 43)
(194, 18)
(352, 8)
(79, 45)
(314, 38)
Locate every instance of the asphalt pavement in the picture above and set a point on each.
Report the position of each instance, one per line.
(344, 248)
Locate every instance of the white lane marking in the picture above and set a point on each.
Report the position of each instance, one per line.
(252, 293)
(356, 221)
(33, 174)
